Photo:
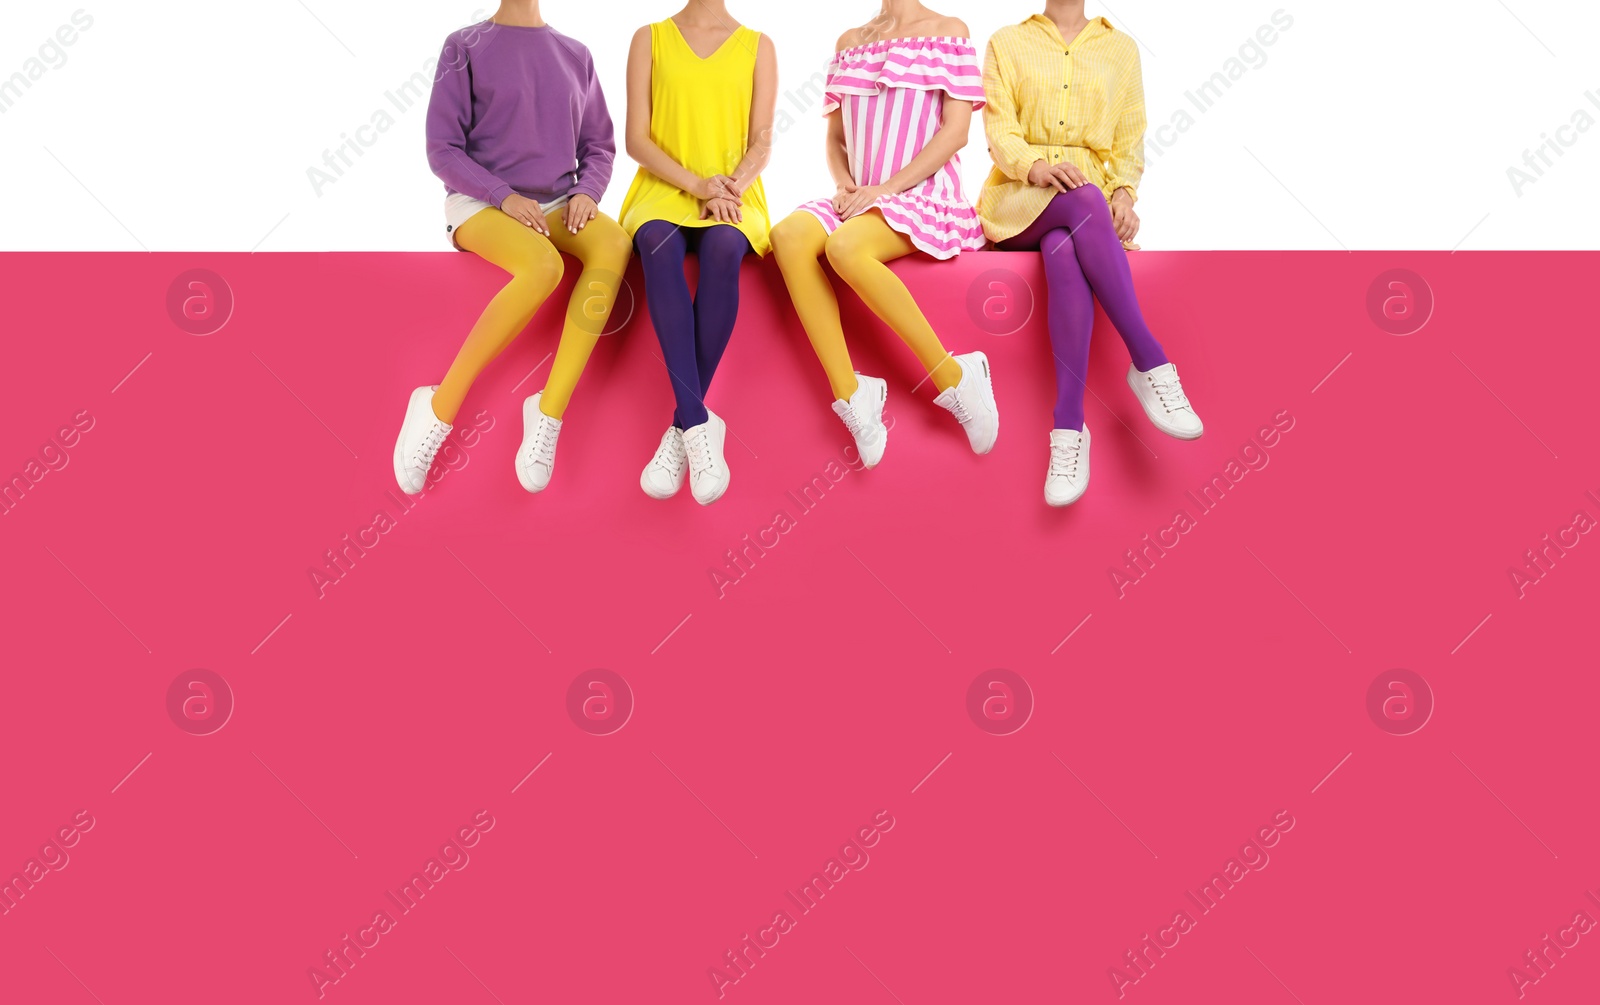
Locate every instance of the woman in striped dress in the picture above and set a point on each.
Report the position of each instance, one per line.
(898, 110)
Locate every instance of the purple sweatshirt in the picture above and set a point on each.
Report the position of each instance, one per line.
(519, 110)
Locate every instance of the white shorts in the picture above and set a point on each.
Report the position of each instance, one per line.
(458, 209)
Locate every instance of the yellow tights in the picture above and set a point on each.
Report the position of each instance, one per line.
(858, 251)
(534, 262)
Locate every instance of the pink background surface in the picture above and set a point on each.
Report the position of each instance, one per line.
(830, 683)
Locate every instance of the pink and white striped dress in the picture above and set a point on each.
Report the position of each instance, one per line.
(891, 94)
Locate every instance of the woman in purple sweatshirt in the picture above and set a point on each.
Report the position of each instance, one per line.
(519, 133)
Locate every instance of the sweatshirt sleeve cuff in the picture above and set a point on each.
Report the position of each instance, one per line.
(589, 189)
(497, 195)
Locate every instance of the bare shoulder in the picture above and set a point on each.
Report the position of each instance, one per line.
(850, 39)
(950, 27)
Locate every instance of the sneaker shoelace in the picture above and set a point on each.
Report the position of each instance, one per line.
(852, 421)
(544, 446)
(958, 408)
(668, 459)
(698, 447)
(1170, 391)
(1064, 459)
(422, 457)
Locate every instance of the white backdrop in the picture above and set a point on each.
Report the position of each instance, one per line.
(189, 125)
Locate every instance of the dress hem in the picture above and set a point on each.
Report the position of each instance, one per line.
(831, 222)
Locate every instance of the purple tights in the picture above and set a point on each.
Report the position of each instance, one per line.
(693, 331)
(1083, 259)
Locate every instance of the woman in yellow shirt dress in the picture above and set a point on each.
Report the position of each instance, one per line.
(702, 90)
(1065, 121)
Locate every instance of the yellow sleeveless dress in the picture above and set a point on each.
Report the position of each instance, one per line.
(700, 116)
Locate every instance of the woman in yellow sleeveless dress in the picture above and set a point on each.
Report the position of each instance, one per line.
(702, 90)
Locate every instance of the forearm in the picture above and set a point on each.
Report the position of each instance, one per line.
(1014, 157)
(596, 157)
(837, 153)
(659, 163)
(594, 174)
(1011, 151)
(593, 187)
(1125, 166)
(839, 165)
(1121, 180)
(946, 143)
(754, 162)
(462, 174)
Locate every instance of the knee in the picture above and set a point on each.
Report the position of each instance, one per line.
(540, 269)
(1090, 203)
(721, 251)
(549, 270)
(1056, 242)
(845, 252)
(792, 238)
(609, 246)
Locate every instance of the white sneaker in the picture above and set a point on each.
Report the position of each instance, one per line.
(421, 435)
(972, 402)
(708, 469)
(663, 476)
(536, 460)
(863, 416)
(1068, 477)
(1161, 394)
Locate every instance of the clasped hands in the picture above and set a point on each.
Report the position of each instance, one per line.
(722, 197)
